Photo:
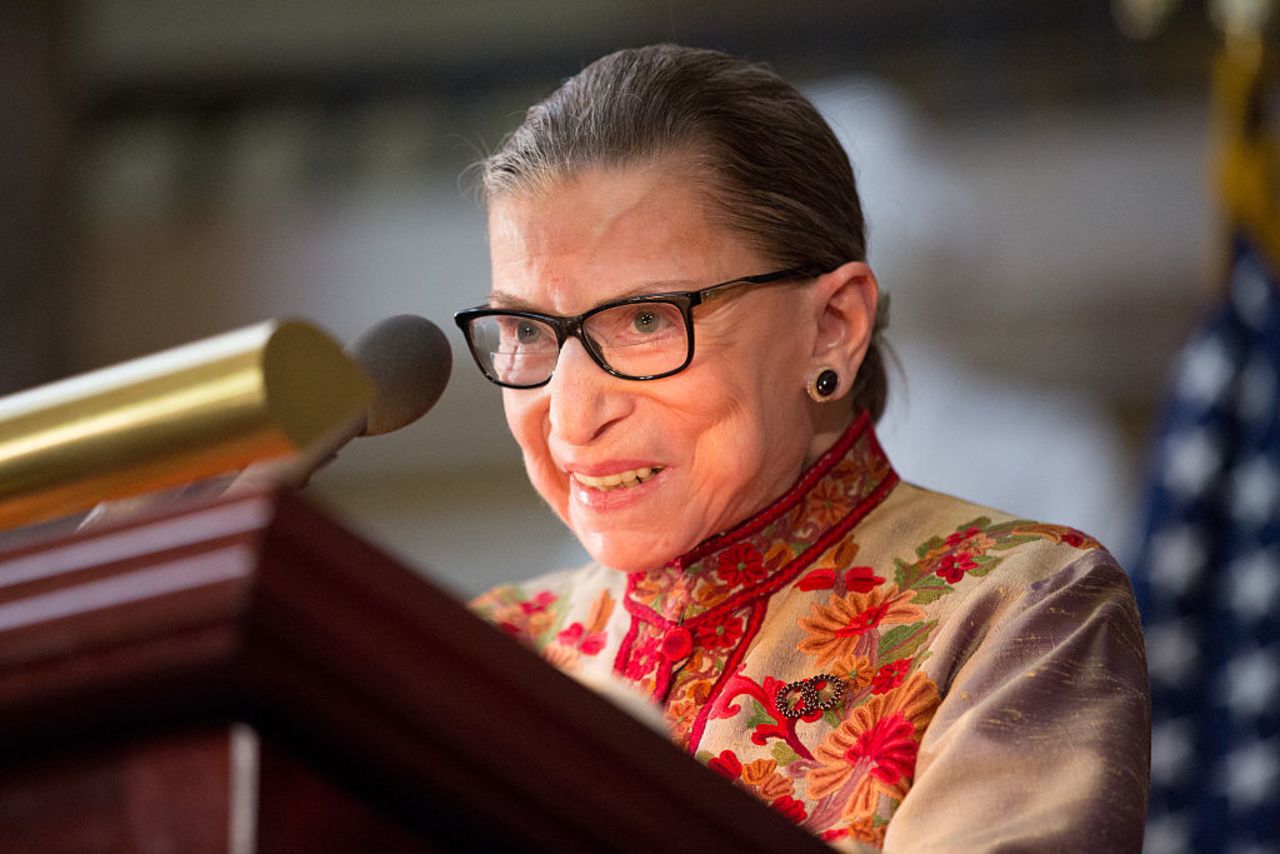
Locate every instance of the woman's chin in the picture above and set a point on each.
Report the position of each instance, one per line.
(629, 551)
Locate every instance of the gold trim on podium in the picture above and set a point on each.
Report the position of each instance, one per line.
(174, 417)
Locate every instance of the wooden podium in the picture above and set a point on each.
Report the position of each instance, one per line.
(248, 675)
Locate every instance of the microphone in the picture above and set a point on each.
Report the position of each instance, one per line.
(409, 360)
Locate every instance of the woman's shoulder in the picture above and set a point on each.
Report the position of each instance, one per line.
(955, 540)
(964, 563)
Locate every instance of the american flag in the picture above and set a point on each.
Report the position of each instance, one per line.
(1208, 580)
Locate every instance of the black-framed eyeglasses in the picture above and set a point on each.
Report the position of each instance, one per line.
(639, 338)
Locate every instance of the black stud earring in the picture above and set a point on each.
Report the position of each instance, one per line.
(823, 385)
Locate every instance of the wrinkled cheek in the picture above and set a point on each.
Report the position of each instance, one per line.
(550, 483)
(527, 421)
(526, 424)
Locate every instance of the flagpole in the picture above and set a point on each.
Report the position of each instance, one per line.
(1248, 160)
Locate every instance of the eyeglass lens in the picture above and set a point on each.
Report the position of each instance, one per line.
(635, 340)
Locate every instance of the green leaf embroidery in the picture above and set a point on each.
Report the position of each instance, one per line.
(759, 717)
(904, 641)
(985, 565)
(512, 594)
(929, 545)
(559, 611)
(928, 589)
(784, 754)
(900, 573)
(1010, 542)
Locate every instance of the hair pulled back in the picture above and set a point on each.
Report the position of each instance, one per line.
(772, 167)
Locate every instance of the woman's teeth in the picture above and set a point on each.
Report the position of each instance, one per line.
(621, 479)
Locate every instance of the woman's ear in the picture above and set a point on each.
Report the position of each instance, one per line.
(845, 306)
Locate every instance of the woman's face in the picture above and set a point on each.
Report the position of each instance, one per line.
(721, 439)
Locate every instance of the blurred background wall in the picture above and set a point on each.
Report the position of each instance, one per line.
(1035, 178)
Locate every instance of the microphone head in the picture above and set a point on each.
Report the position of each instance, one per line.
(408, 358)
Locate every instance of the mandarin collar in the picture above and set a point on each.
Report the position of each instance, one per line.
(760, 554)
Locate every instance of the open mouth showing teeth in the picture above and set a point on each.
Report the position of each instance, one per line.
(620, 480)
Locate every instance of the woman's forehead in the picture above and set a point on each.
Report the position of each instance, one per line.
(605, 235)
(598, 206)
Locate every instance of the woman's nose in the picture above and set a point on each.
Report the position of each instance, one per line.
(585, 400)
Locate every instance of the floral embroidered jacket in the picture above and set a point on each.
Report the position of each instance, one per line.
(884, 665)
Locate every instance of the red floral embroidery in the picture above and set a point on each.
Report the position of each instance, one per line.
(792, 809)
(861, 579)
(952, 567)
(722, 635)
(643, 656)
(863, 621)
(575, 635)
(874, 749)
(890, 746)
(524, 619)
(538, 603)
(781, 726)
(819, 579)
(959, 537)
(741, 563)
(726, 764)
(890, 676)
(1074, 538)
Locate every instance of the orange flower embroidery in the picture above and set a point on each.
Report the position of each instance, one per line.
(836, 627)
(651, 587)
(598, 616)
(756, 772)
(683, 707)
(828, 503)
(856, 670)
(1058, 534)
(864, 830)
(562, 657)
(775, 786)
(778, 554)
(762, 776)
(875, 748)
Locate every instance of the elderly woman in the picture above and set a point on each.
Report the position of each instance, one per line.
(687, 336)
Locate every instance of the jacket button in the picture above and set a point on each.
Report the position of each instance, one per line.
(677, 643)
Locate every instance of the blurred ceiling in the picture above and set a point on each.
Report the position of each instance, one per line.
(143, 56)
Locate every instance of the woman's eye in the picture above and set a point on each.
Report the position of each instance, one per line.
(646, 320)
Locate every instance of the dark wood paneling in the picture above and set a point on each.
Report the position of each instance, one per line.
(381, 685)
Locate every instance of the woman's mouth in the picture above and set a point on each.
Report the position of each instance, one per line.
(617, 480)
